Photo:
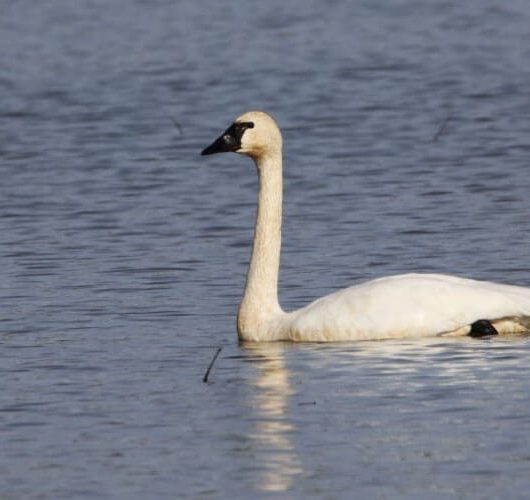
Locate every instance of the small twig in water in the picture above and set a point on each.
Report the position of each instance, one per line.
(177, 125)
(205, 378)
(441, 129)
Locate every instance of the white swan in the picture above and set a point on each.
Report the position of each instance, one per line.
(411, 305)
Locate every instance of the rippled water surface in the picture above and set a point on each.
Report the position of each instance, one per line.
(406, 129)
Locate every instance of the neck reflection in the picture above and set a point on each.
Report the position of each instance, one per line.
(278, 463)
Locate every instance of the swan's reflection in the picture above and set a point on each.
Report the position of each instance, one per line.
(278, 462)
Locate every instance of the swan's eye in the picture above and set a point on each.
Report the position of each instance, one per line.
(236, 130)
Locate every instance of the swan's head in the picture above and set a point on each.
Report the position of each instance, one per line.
(254, 134)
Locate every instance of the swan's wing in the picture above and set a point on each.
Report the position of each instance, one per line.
(409, 305)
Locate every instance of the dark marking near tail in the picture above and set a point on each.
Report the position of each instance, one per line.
(482, 328)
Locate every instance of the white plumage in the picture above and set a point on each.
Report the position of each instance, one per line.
(410, 305)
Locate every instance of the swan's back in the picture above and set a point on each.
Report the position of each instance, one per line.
(410, 305)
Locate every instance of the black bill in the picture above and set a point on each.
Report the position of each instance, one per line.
(229, 141)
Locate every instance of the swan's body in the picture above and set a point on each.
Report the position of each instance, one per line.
(411, 305)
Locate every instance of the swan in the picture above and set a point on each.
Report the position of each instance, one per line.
(410, 305)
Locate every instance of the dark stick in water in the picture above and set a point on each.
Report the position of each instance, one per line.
(441, 129)
(177, 125)
(205, 378)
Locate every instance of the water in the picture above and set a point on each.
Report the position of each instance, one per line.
(124, 252)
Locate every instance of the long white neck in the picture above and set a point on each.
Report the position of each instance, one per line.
(260, 299)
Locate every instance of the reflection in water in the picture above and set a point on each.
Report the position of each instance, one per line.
(278, 462)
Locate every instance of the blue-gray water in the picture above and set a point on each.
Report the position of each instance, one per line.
(123, 252)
